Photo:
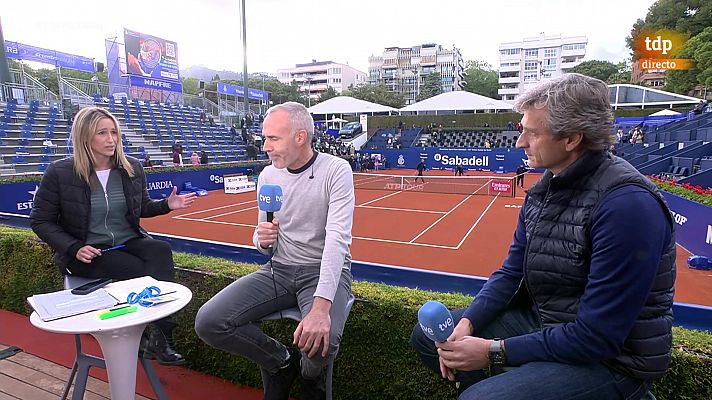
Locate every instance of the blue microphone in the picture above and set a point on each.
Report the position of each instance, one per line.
(270, 200)
(436, 321)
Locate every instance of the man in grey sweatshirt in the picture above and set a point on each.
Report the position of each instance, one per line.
(310, 267)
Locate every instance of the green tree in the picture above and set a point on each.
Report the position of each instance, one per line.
(326, 95)
(216, 78)
(690, 16)
(376, 94)
(623, 74)
(699, 49)
(596, 69)
(190, 86)
(432, 86)
(481, 79)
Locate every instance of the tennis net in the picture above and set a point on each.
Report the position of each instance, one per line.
(468, 185)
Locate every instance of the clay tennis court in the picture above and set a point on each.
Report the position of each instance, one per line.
(442, 225)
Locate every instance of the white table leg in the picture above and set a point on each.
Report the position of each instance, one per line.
(120, 349)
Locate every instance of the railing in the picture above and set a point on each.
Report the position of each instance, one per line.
(24, 87)
(74, 94)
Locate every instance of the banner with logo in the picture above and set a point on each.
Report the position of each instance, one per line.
(494, 160)
(234, 90)
(19, 51)
(693, 224)
(154, 83)
(18, 198)
(151, 57)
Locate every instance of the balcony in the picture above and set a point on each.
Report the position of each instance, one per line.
(508, 91)
(515, 68)
(514, 79)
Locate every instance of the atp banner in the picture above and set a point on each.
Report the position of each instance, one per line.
(151, 57)
(19, 51)
(233, 90)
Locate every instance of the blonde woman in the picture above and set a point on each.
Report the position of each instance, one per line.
(95, 200)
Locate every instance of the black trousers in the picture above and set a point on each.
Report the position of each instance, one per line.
(141, 256)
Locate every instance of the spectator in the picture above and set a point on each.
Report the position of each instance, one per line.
(202, 117)
(211, 121)
(203, 157)
(147, 163)
(582, 305)
(195, 158)
(95, 200)
(233, 134)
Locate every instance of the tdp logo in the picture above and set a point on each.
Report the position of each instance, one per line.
(658, 44)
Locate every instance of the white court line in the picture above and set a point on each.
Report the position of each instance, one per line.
(402, 209)
(478, 221)
(216, 222)
(231, 212)
(440, 219)
(216, 208)
(380, 198)
(407, 243)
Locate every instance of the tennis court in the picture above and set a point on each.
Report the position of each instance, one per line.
(443, 223)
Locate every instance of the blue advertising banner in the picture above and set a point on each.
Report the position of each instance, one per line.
(154, 83)
(151, 57)
(18, 198)
(495, 160)
(233, 90)
(19, 51)
(693, 224)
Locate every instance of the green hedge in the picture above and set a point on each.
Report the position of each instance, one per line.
(375, 361)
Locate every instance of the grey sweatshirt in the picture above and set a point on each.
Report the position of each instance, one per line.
(315, 219)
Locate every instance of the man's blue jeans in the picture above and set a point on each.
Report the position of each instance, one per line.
(534, 380)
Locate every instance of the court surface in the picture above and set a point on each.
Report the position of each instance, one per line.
(449, 232)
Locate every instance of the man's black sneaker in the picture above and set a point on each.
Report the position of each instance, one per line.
(161, 347)
(278, 385)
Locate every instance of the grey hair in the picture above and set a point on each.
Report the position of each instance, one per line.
(298, 116)
(574, 103)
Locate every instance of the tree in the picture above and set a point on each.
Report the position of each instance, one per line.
(690, 16)
(190, 86)
(481, 79)
(326, 95)
(623, 74)
(597, 69)
(376, 94)
(699, 49)
(432, 86)
(216, 78)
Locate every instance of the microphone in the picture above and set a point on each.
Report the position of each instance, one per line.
(270, 200)
(436, 321)
(312, 172)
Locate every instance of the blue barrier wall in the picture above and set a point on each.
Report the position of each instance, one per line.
(496, 160)
(693, 224)
(17, 198)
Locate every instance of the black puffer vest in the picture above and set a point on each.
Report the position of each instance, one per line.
(558, 214)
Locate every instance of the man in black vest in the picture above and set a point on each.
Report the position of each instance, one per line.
(582, 305)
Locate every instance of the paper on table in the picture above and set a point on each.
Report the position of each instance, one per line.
(120, 289)
(56, 305)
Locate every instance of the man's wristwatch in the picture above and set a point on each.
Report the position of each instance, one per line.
(497, 356)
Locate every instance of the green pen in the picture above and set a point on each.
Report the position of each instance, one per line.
(115, 312)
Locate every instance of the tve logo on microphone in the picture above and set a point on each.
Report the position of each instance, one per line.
(269, 200)
(436, 321)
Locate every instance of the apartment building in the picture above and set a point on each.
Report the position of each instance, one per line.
(315, 77)
(526, 63)
(403, 69)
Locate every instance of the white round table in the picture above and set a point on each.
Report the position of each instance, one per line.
(119, 337)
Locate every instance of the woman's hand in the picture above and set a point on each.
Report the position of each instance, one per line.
(88, 253)
(178, 201)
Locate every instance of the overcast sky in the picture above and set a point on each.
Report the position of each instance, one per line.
(282, 33)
